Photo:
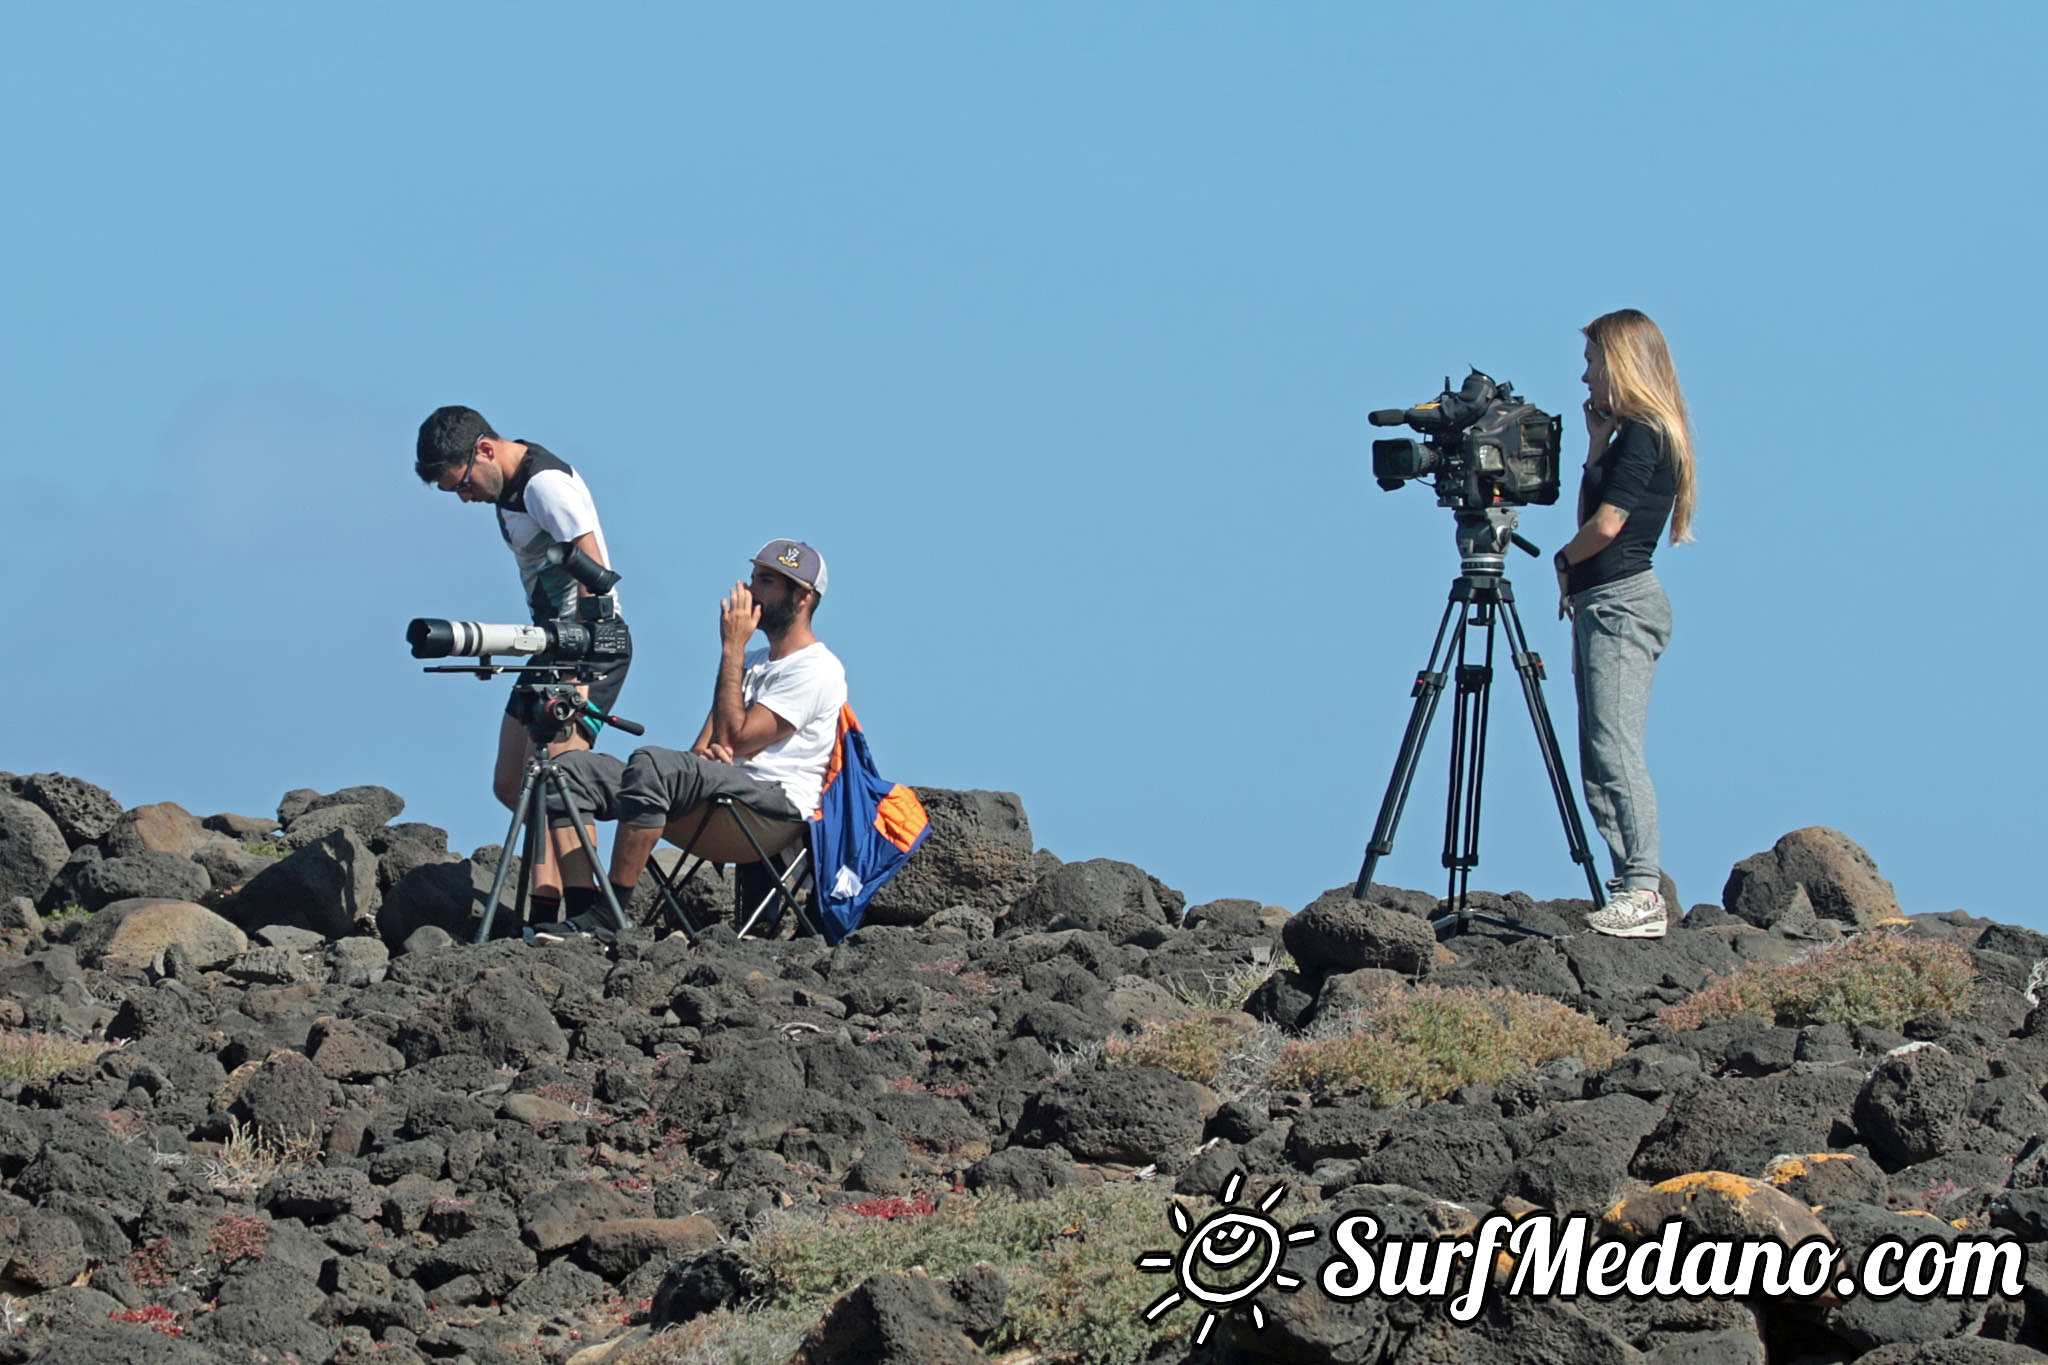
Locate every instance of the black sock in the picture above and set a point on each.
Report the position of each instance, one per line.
(625, 895)
(579, 900)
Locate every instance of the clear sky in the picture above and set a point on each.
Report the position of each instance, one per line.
(1054, 326)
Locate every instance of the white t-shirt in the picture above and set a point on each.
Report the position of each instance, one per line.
(805, 688)
(558, 508)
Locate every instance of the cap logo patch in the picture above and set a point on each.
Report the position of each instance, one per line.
(789, 557)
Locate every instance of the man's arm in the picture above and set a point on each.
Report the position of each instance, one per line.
(587, 542)
(741, 729)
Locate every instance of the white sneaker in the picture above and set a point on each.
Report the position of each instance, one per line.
(1632, 913)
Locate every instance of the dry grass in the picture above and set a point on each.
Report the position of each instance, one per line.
(754, 1334)
(1880, 978)
(1425, 1042)
(26, 1055)
(250, 1159)
(1219, 989)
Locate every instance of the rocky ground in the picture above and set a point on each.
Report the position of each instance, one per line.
(333, 1130)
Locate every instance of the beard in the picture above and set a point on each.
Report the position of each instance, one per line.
(777, 617)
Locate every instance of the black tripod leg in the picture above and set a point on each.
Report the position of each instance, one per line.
(519, 815)
(1530, 668)
(1429, 686)
(604, 883)
(1468, 765)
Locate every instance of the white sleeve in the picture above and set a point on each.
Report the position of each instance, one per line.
(800, 692)
(560, 505)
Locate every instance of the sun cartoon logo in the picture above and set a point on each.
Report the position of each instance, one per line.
(1226, 1259)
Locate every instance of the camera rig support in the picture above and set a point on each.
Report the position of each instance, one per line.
(547, 699)
(547, 704)
(1480, 596)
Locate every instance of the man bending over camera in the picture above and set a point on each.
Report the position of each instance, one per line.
(541, 502)
(774, 719)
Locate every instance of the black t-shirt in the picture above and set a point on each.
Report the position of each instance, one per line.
(1637, 476)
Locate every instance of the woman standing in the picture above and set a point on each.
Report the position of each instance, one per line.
(1639, 474)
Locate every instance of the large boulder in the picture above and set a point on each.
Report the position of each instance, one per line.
(147, 874)
(32, 849)
(1338, 934)
(135, 933)
(83, 812)
(1102, 895)
(329, 886)
(1817, 871)
(1910, 1108)
(445, 896)
(978, 853)
(891, 1319)
(160, 827)
(1133, 1115)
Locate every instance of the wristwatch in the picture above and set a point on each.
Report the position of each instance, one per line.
(1563, 565)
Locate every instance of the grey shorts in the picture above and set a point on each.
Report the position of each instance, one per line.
(656, 786)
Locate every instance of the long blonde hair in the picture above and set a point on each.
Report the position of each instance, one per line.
(1642, 384)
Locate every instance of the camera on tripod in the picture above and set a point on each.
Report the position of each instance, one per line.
(1483, 444)
(596, 638)
(567, 653)
(547, 699)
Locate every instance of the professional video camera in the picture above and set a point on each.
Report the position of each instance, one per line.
(596, 636)
(1484, 445)
(567, 652)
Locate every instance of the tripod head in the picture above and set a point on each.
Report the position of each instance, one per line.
(549, 704)
(1484, 534)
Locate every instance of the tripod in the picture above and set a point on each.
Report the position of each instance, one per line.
(1480, 596)
(547, 709)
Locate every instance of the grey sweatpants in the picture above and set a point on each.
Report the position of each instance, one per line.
(656, 786)
(1618, 631)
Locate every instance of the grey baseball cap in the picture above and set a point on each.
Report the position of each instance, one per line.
(796, 560)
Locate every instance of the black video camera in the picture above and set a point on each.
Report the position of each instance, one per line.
(1483, 445)
(596, 637)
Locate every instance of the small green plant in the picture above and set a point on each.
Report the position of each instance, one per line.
(1425, 1042)
(1070, 1260)
(63, 912)
(1195, 1049)
(1880, 978)
(26, 1055)
(265, 848)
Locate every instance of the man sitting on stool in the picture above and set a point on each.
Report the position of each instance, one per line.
(766, 744)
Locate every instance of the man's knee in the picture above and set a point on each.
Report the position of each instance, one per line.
(657, 781)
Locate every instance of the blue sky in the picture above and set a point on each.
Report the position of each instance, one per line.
(1055, 327)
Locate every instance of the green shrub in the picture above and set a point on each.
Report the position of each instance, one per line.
(1194, 1050)
(1070, 1260)
(1880, 978)
(1425, 1042)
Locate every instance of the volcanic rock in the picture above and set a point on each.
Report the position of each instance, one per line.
(32, 849)
(1835, 878)
(136, 933)
(82, 811)
(978, 854)
(329, 886)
